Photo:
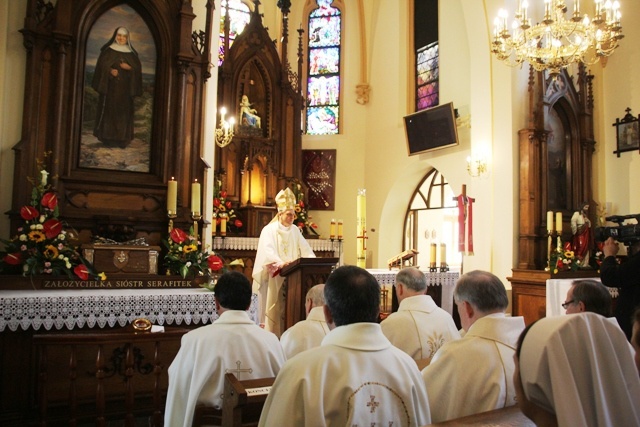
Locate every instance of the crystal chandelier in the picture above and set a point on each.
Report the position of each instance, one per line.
(556, 42)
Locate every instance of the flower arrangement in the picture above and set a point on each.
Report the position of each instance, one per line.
(222, 206)
(563, 259)
(42, 245)
(303, 219)
(184, 255)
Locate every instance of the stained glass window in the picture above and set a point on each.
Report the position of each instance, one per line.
(323, 83)
(239, 16)
(427, 86)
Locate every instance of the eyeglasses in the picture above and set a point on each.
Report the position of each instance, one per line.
(567, 303)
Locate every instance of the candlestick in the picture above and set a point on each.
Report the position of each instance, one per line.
(195, 217)
(172, 196)
(559, 222)
(549, 221)
(340, 229)
(195, 197)
(332, 229)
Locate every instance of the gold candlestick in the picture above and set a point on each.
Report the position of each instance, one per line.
(195, 216)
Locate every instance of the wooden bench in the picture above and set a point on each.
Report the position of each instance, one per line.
(504, 417)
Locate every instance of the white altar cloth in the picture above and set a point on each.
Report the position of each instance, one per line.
(70, 309)
(387, 278)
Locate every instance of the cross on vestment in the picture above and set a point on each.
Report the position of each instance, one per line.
(373, 404)
(238, 370)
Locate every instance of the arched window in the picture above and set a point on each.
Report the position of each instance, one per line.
(239, 15)
(427, 57)
(323, 71)
(432, 217)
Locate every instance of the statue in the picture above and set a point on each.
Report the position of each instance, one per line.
(248, 116)
(582, 238)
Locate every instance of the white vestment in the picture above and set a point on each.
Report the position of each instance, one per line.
(419, 327)
(577, 367)
(355, 378)
(305, 334)
(232, 344)
(277, 245)
(475, 373)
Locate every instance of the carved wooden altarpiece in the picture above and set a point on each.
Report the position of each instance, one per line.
(556, 152)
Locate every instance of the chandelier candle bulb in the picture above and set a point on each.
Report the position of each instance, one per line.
(195, 197)
(559, 222)
(172, 196)
(549, 221)
(332, 229)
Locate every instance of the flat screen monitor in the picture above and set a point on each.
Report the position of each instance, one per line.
(431, 129)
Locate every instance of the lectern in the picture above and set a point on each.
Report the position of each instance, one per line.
(301, 275)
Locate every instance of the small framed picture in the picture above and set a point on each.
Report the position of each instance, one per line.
(319, 175)
(627, 133)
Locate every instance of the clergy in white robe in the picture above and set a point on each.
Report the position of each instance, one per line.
(280, 243)
(356, 377)
(310, 332)
(572, 371)
(232, 344)
(475, 373)
(419, 327)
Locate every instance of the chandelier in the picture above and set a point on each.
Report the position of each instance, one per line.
(224, 132)
(556, 42)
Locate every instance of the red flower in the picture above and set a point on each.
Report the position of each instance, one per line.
(223, 194)
(218, 221)
(238, 223)
(81, 271)
(559, 263)
(301, 204)
(228, 205)
(29, 212)
(301, 225)
(216, 202)
(215, 263)
(178, 235)
(13, 259)
(314, 225)
(49, 200)
(52, 228)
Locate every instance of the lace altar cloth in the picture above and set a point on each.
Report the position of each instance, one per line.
(70, 309)
(387, 278)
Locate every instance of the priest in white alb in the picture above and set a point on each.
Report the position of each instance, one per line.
(232, 344)
(310, 332)
(280, 243)
(475, 373)
(419, 327)
(355, 377)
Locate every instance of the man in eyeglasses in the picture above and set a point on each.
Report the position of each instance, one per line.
(588, 295)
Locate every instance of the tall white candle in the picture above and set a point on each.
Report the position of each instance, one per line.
(195, 197)
(332, 229)
(559, 222)
(361, 228)
(172, 196)
(549, 221)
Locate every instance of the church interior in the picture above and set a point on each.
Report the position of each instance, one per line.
(226, 116)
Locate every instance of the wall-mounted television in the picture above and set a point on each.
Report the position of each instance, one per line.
(431, 129)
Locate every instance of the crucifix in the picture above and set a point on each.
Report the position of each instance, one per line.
(238, 370)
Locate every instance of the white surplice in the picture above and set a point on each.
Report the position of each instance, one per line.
(356, 377)
(232, 344)
(277, 245)
(419, 327)
(577, 367)
(305, 334)
(475, 373)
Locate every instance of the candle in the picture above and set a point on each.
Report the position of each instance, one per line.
(432, 255)
(340, 229)
(361, 228)
(195, 197)
(443, 254)
(223, 225)
(215, 225)
(549, 221)
(559, 222)
(332, 229)
(172, 196)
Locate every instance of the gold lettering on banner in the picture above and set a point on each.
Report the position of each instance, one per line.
(109, 284)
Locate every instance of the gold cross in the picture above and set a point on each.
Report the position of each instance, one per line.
(238, 370)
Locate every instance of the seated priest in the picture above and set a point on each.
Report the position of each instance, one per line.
(307, 333)
(419, 327)
(233, 343)
(475, 373)
(355, 377)
(280, 243)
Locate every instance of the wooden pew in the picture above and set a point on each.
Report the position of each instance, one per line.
(243, 400)
(504, 417)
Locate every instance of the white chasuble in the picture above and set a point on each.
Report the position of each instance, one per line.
(355, 378)
(419, 327)
(232, 344)
(277, 246)
(305, 334)
(475, 373)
